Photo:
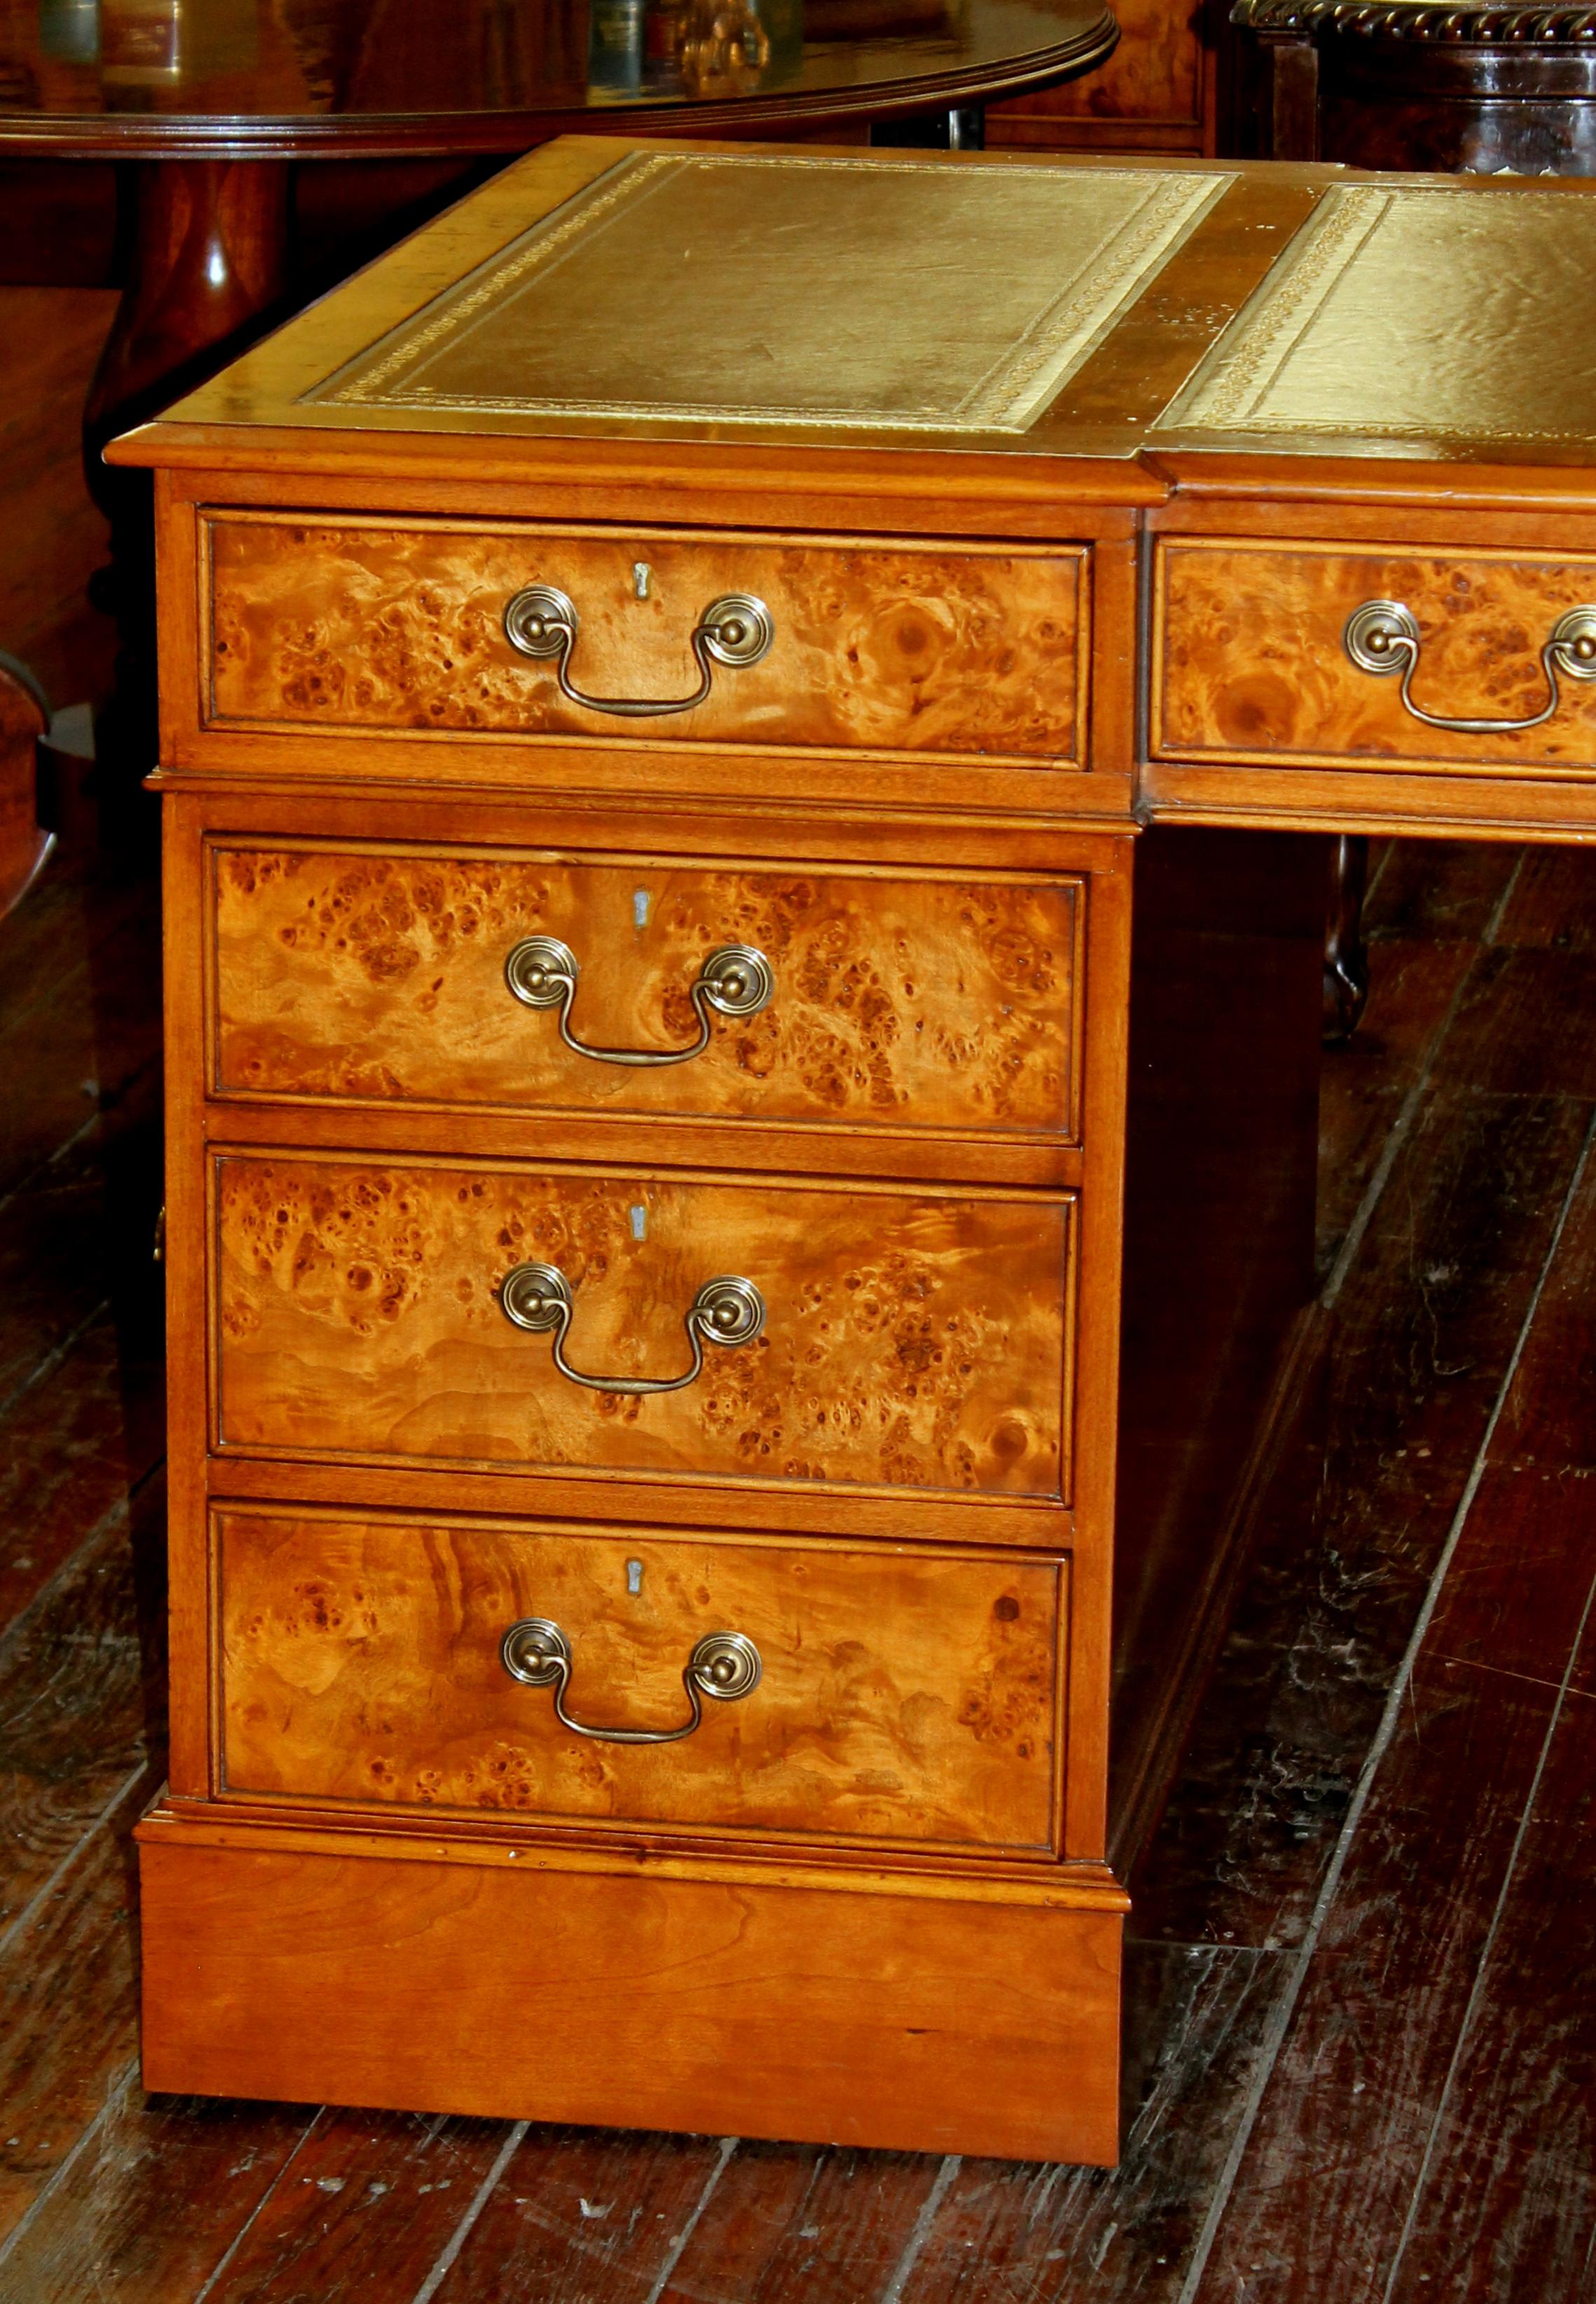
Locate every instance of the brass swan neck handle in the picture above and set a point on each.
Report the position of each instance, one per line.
(1382, 637)
(736, 980)
(537, 1297)
(724, 1665)
(734, 631)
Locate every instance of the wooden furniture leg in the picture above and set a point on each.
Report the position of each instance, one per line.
(1346, 955)
(24, 843)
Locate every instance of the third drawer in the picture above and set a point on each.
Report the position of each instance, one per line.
(726, 1328)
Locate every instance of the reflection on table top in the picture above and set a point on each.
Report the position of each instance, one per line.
(156, 77)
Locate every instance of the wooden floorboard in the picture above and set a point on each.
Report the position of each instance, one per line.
(1506, 2211)
(363, 2190)
(1363, 1497)
(1359, 2038)
(1196, 2018)
(784, 2225)
(74, 1052)
(1551, 1415)
(1429, 905)
(1339, 2147)
(1425, 2129)
(158, 2191)
(78, 1711)
(536, 2242)
(72, 1445)
(68, 2009)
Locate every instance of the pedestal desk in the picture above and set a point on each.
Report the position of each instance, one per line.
(736, 1191)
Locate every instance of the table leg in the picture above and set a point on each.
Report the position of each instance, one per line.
(24, 843)
(204, 255)
(1346, 955)
(962, 128)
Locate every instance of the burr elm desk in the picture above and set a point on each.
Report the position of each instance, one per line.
(735, 1178)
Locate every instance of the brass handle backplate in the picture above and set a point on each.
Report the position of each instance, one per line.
(537, 1297)
(725, 1665)
(1382, 637)
(733, 630)
(734, 981)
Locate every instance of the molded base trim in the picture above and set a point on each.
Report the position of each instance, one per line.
(629, 2000)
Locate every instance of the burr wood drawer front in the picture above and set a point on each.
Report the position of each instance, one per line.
(878, 1336)
(358, 973)
(705, 1682)
(1317, 654)
(493, 629)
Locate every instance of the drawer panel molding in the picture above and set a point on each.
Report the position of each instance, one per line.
(913, 1339)
(901, 1694)
(358, 973)
(342, 622)
(1268, 653)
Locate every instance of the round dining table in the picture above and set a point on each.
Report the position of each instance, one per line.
(231, 125)
(221, 161)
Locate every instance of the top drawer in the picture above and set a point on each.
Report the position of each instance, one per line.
(1319, 656)
(361, 625)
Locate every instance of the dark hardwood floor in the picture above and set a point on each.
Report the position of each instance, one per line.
(1362, 1980)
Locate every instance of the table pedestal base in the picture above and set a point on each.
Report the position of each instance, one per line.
(206, 258)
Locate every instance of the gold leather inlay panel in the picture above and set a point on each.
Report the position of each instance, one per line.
(753, 288)
(1429, 313)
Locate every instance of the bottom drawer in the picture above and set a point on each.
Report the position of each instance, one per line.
(898, 1694)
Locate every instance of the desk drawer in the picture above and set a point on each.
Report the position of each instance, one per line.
(373, 975)
(1252, 661)
(898, 1694)
(911, 1339)
(356, 624)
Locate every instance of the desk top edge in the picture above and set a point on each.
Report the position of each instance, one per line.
(1171, 357)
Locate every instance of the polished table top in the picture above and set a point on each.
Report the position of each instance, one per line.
(1140, 311)
(161, 78)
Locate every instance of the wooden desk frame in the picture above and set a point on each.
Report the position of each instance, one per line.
(772, 1985)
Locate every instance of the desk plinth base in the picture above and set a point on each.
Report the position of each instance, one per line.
(353, 1967)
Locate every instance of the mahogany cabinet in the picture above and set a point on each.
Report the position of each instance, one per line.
(744, 872)
(1167, 87)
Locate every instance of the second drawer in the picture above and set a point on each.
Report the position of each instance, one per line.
(434, 976)
(842, 1689)
(876, 1335)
